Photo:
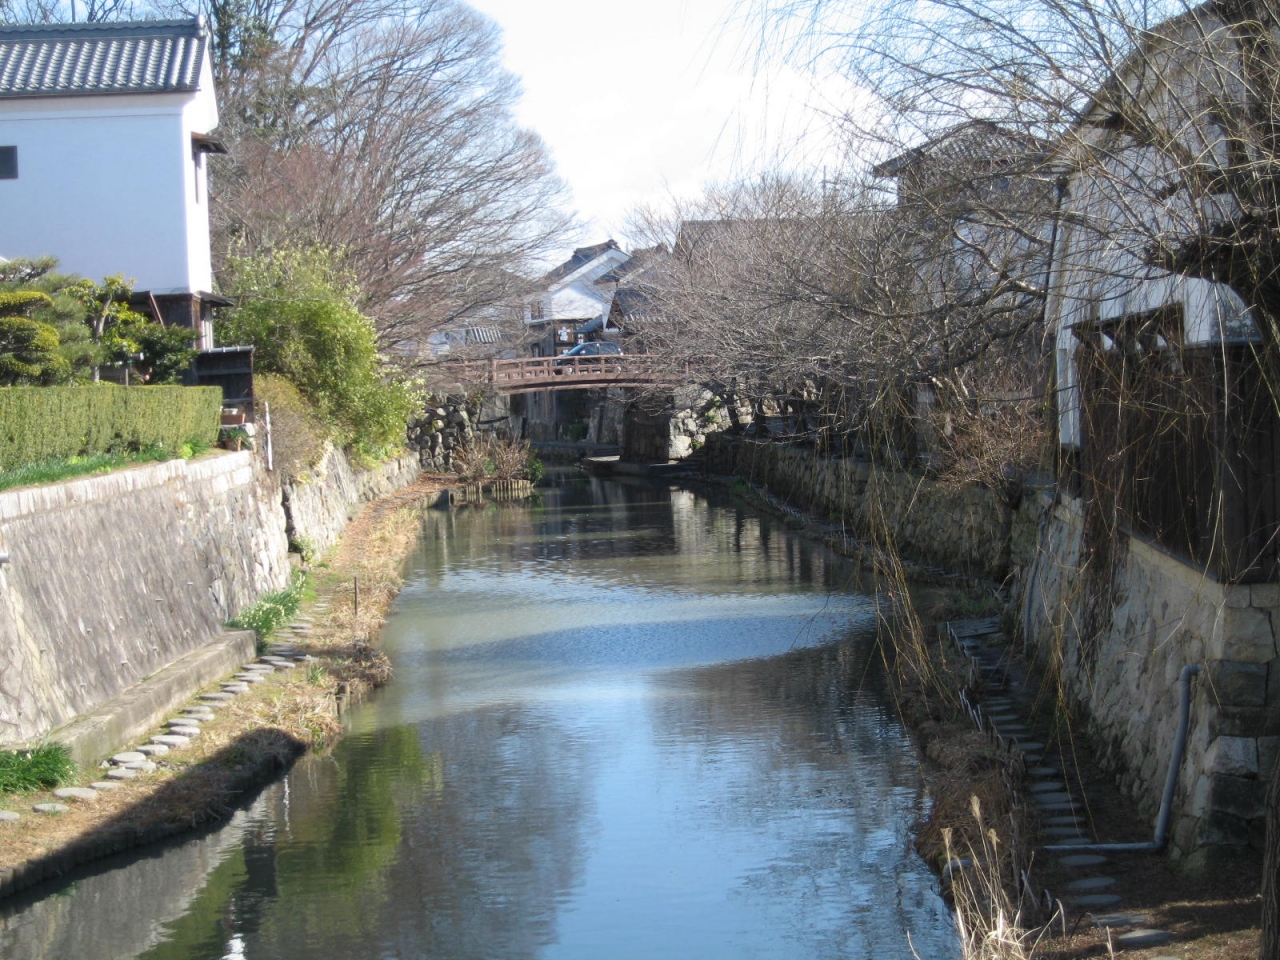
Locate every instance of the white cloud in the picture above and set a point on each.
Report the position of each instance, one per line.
(638, 102)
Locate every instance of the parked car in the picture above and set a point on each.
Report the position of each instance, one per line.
(593, 351)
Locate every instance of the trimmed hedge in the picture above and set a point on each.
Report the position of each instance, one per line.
(44, 423)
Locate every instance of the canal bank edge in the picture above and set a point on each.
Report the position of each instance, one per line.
(39, 847)
(962, 763)
(1116, 618)
(111, 578)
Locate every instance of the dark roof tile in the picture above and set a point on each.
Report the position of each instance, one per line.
(80, 59)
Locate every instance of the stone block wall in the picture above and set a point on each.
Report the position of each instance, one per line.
(675, 432)
(113, 577)
(318, 507)
(1120, 663)
(966, 528)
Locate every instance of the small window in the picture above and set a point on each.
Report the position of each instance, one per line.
(8, 163)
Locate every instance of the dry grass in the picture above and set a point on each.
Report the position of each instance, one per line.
(976, 814)
(258, 732)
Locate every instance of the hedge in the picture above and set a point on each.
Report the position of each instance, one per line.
(45, 423)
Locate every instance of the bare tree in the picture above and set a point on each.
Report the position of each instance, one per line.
(845, 309)
(384, 130)
(379, 129)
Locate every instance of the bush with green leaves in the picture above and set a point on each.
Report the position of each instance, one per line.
(44, 423)
(298, 309)
(20, 303)
(29, 353)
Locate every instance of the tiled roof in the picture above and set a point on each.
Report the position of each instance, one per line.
(581, 257)
(969, 142)
(71, 59)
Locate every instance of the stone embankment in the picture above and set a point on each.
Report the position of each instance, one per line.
(1087, 900)
(192, 760)
(966, 528)
(1113, 625)
(450, 423)
(117, 589)
(443, 429)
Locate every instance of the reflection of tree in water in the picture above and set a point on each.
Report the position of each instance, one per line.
(324, 845)
(457, 840)
(488, 858)
(807, 737)
(630, 536)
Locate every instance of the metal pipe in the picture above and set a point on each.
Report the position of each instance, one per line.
(1170, 781)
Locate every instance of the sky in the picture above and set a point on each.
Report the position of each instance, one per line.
(642, 102)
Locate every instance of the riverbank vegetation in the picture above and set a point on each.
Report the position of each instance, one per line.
(40, 768)
(272, 610)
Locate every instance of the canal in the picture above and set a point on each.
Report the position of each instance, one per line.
(627, 721)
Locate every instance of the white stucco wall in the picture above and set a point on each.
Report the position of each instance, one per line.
(1118, 198)
(108, 184)
(578, 296)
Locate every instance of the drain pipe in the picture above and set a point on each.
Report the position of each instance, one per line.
(1170, 782)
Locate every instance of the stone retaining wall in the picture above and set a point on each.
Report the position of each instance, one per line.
(113, 578)
(452, 422)
(964, 528)
(319, 507)
(1118, 637)
(1121, 654)
(681, 428)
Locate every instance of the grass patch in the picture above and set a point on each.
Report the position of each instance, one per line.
(43, 768)
(53, 470)
(274, 609)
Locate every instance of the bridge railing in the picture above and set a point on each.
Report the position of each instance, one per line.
(550, 373)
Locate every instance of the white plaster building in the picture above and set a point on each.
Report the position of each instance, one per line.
(576, 294)
(1159, 554)
(104, 136)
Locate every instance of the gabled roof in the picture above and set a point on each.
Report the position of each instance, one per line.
(82, 59)
(581, 257)
(968, 142)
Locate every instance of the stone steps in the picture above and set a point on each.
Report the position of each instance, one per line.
(993, 707)
(178, 733)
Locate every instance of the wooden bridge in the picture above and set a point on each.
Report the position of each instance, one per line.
(527, 374)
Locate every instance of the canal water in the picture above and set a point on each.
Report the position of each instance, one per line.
(627, 721)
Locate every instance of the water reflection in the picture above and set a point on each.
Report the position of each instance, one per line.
(627, 721)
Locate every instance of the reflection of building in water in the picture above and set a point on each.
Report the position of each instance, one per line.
(634, 532)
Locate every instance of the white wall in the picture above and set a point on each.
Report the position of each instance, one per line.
(578, 296)
(108, 185)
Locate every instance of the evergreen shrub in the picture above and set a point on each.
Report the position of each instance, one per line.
(43, 423)
(18, 303)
